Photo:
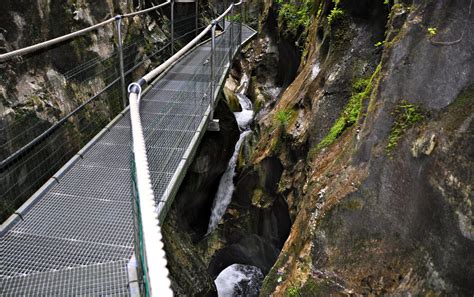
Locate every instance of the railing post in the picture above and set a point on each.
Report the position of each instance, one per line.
(241, 23)
(172, 26)
(224, 7)
(118, 23)
(231, 33)
(197, 16)
(213, 67)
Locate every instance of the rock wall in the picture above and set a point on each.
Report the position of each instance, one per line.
(377, 152)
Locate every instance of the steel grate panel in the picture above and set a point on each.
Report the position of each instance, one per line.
(180, 85)
(102, 224)
(186, 69)
(174, 122)
(172, 108)
(118, 135)
(160, 181)
(95, 182)
(29, 253)
(147, 119)
(201, 77)
(108, 279)
(164, 159)
(172, 96)
(169, 96)
(165, 139)
(108, 155)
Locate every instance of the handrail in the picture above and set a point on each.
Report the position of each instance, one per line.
(155, 257)
(155, 72)
(156, 260)
(33, 48)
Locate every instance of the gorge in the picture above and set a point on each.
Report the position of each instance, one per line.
(344, 160)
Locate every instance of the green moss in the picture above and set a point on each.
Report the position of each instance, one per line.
(361, 89)
(406, 116)
(293, 292)
(352, 204)
(273, 278)
(465, 98)
(321, 288)
(257, 196)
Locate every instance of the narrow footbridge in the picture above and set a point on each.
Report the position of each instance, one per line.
(93, 228)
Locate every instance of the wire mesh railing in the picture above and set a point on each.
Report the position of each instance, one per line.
(59, 108)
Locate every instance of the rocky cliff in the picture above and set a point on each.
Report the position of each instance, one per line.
(366, 154)
(375, 139)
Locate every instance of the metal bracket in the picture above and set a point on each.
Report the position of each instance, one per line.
(214, 126)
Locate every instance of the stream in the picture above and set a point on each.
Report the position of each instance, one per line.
(237, 279)
(226, 185)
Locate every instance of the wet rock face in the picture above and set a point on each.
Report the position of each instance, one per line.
(188, 272)
(256, 223)
(373, 218)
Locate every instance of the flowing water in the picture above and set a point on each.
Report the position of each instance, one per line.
(226, 185)
(239, 280)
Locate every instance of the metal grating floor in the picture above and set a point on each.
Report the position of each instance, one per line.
(76, 239)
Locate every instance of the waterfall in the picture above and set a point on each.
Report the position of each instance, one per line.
(239, 280)
(226, 184)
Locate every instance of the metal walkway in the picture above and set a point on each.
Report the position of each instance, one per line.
(75, 236)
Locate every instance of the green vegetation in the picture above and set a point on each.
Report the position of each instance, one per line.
(380, 43)
(296, 14)
(282, 117)
(335, 13)
(406, 115)
(360, 91)
(234, 18)
(432, 31)
(293, 292)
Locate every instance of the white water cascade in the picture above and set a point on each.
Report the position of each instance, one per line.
(226, 184)
(239, 280)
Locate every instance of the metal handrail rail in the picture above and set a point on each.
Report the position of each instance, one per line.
(36, 47)
(155, 259)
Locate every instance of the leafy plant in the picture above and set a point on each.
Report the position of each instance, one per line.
(283, 117)
(432, 31)
(406, 116)
(335, 13)
(295, 14)
(293, 292)
(380, 43)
